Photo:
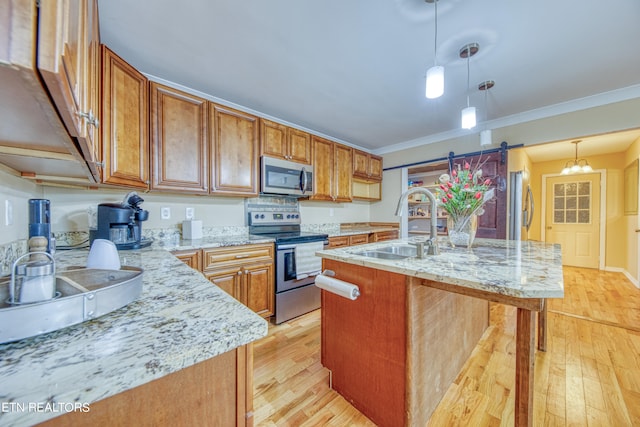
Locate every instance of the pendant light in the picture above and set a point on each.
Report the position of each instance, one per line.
(435, 74)
(575, 165)
(469, 113)
(485, 135)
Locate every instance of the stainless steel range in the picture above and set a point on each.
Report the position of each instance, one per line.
(296, 263)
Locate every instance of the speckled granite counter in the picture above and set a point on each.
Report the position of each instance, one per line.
(518, 269)
(179, 320)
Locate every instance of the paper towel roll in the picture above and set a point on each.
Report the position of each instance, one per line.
(338, 287)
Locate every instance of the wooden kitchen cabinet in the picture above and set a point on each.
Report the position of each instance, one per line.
(283, 142)
(234, 151)
(179, 141)
(342, 241)
(193, 258)
(68, 57)
(367, 166)
(383, 235)
(215, 392)
(332, 171)
(125, 123)
(244, 272)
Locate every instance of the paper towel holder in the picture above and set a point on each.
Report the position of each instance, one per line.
(329, 273)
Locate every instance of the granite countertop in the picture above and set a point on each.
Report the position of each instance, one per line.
(180, 319)
(507, 267)
(212, 242)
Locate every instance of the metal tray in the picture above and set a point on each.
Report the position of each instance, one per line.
(84, 294)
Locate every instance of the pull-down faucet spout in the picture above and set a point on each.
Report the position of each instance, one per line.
(433, 234)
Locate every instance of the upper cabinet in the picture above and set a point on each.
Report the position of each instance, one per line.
(34, 141)
(280, 141)
(179, 141)
(367, 166)
(125, 123)
(332, 171)
(68, 39)
(234, 151)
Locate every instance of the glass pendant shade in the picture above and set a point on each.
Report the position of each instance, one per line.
(485, 137)
(576, 165)
(468, 117)
(435, 82)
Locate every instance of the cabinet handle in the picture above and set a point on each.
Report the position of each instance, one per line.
(239, 272)
(89, 118)
(242, 256)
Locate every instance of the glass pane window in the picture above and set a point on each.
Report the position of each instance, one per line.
(572, 203)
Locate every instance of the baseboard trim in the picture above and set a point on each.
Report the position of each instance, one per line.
(626, 274)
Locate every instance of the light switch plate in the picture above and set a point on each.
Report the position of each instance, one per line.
(188, 213)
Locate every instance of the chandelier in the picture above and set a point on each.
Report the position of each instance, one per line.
(576, 165)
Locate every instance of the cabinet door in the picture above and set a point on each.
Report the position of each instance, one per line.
(234, 153)
(178, 141)
(92, 98)
(258, 289)
(229, 279)
(323, 163)
(299, 146)
(375, 168)
(192, 258)
(338, 242)
(125, 121)
(360, 164)
(64, 40)
(273, 139)
(342, 173)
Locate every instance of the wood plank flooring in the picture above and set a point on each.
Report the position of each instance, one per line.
(590, 375)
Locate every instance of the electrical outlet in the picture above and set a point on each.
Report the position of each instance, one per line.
(8, 212)
(165, 213)
(330, 211)
(188, 213)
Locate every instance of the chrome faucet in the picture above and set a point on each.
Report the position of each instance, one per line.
(432, 243)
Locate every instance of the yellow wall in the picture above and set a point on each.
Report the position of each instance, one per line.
(615, 252)
(632, 223)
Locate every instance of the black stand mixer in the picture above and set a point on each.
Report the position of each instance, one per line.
(122, 223)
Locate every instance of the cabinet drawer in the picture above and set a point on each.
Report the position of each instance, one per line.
(358, 239)
(338, 242)
(232, 254)
(385, 235)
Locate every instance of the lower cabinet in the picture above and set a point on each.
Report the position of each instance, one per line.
(360, 239)
(384, 235)
(215, 392)
(244, 272)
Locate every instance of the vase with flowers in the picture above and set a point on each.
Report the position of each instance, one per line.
(462, 194)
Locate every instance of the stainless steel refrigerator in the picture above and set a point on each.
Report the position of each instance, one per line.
(521, 206)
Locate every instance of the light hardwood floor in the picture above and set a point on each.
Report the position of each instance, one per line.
(590, 375)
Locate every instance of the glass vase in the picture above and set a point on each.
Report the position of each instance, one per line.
(462, 230)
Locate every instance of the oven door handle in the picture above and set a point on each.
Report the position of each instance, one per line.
(292, 246)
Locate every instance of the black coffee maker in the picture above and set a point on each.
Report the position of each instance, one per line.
(122, 223)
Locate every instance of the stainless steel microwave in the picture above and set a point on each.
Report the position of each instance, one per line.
(284, 177)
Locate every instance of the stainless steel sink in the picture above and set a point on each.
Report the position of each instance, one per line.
(381, 254)
(81, 294)
(405, 250)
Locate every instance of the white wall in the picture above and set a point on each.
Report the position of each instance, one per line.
(17, 191)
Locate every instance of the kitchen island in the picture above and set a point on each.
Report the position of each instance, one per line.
(395, 350)
(181, 351)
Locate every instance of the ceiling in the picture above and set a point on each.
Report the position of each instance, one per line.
(354, 70)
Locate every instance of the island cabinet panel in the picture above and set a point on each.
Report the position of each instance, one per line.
(179, 142)
(125, 123)
(364, 342)
(234, 152)
(216, 392)
(193, 258)
(396, 349)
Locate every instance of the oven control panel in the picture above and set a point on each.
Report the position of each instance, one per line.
(274, 218)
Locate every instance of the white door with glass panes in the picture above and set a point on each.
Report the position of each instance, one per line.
(572, 218)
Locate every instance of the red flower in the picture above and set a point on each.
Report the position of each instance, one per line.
(457, 180)
(467, 166)
(444, 200)
(449, 195)
(487, 181)
(466, 185)
(478, 194)
(449, 184)
(454, 173)
(443, 187)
